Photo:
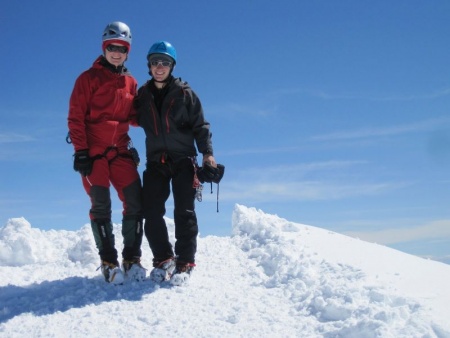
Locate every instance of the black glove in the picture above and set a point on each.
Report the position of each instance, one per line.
(209, 174)
(219, 175)
(82, 162)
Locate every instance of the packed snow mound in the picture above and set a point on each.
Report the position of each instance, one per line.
(20, 244)
(270, 278)
(354, 288)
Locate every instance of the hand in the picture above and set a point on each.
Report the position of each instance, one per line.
(208, 158)
(82, 162)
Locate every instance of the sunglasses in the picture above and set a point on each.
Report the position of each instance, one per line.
(114, 48)
(155, 63)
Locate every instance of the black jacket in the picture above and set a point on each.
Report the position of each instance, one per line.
(173, 121)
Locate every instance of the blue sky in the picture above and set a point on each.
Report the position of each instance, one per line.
(333, 114)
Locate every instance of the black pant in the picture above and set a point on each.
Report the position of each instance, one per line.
(157, 178)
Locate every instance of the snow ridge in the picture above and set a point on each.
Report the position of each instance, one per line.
(270, 278)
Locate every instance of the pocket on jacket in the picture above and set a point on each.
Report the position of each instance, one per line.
(180, 115)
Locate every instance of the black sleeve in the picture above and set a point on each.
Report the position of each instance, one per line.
(200, 126)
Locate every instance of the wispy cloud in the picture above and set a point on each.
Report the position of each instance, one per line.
(14, 138)
(325, 180)
(300, 169)
(265, 150)
(322, 94)
(425, 96)
(276, 192)
(437, 229)
(416, 127)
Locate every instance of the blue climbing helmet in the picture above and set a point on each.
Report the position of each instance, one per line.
(163, 47)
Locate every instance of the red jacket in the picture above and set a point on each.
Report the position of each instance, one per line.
(100, 110)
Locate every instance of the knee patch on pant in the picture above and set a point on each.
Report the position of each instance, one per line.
(132, 195)
(101, 202)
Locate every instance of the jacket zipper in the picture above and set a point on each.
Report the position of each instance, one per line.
(167, 116)
(116, 104)
(153, 112)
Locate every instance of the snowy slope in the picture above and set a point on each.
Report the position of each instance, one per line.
(271, 278)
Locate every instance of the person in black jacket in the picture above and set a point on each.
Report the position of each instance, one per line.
(172, 117)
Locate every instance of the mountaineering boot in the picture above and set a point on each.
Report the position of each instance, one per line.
(112, 273)
(104, 240)
(133, 269)
(182, 273)
(162, 269)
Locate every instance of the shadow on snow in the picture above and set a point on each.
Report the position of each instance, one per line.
(49, 297)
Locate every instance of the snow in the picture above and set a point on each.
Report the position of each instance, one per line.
(270, 278)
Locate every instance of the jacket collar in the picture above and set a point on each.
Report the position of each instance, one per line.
(101, 61)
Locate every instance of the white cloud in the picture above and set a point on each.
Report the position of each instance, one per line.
(420, 126)
(435, 229)
(426, 96)
(327, 180)
(302, 191)
(265, 150)
(14, 138)
(301, 168)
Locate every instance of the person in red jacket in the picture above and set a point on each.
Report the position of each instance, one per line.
(100, 113)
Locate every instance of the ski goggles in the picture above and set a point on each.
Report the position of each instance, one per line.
(119, 49)
(155, 63)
